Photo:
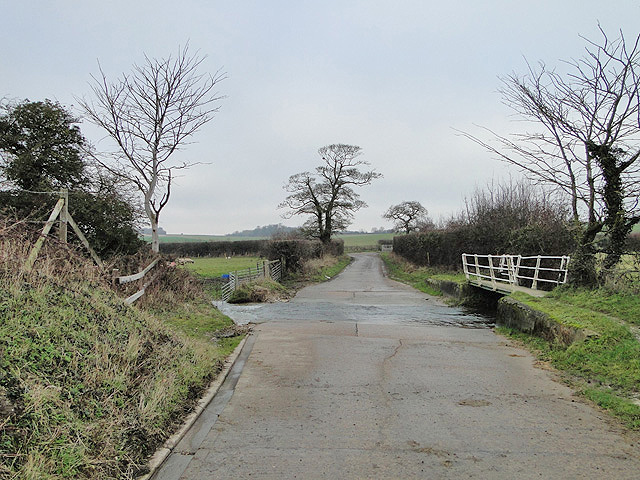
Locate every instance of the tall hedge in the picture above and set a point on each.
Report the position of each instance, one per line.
(445, 247)
(514, 218)
(215, 249)
(294, 252)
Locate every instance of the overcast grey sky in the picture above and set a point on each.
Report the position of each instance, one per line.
(394, 77)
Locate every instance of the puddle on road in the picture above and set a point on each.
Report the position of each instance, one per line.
(427, 314)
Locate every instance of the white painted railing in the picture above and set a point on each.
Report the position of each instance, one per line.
(134, 277)
(268, 269)
(515, 269)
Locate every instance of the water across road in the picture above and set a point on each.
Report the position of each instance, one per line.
(363, 293)
(365, 378)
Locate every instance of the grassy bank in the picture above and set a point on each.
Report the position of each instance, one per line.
(322, 269)
(405, 272)
(313, 271)
(89, 387)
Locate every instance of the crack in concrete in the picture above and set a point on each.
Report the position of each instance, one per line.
(397, 349)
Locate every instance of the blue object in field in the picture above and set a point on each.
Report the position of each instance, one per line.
(225, 276)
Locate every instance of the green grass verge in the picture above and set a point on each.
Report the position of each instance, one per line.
(417, 277)
(199, 320)
(625, 306)
(605, 367)
(328, 268)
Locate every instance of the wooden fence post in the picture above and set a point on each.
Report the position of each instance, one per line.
(45, 231)
(64, 215)
(84, 241)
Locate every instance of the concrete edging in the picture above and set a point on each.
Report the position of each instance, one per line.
(451, 289)
(515, 314)
(161, 454)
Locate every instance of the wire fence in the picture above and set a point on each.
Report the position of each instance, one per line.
(266, 269)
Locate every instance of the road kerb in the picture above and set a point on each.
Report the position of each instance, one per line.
(163, 452)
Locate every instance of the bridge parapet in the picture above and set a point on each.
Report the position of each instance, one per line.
(513, 272)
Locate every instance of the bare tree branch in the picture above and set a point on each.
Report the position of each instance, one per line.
(329, 195)
(150, 114)
(595, 104)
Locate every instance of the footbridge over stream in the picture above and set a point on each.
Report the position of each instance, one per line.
(509, 273)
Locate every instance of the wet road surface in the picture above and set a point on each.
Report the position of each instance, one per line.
(363, 378)
(362, 293)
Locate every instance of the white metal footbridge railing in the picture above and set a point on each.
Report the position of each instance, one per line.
(494, 272)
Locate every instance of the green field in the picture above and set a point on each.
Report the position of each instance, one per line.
(364, 239)
(215, 267)
(350, 240)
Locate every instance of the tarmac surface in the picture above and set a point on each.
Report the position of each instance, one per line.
(365, 378)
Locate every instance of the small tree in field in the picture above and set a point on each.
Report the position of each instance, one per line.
(150, 114)
(328, 196)
(407, 216)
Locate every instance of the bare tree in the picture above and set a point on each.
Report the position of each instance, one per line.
(328, 195)
(407, 216)
(593, 107)
(150, 114)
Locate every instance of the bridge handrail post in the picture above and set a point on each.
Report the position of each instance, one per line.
(492, 273)
(510, 272)
(534, 285)
(475, 255)
(465, 267)
(564, 266)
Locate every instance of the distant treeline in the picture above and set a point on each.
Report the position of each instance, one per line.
(265, 232)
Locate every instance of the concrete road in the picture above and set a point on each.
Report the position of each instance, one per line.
(336, 396)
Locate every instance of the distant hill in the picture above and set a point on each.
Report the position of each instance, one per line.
(147, 231)
(264, 232)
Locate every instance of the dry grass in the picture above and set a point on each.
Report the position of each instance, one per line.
(88, 386)
(321, 269)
